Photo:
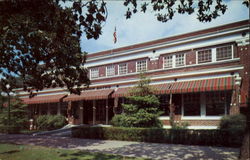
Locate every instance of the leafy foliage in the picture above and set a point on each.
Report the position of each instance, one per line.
(182, 125)
(208, 137)
(50, 122)
(237, 122)
(18, 114)
(164, 10)
(40, 42)
(142, 109)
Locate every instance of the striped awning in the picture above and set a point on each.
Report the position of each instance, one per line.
(215, 84)
(204, 85)
(90, 95)
(122, 92)
(44, 99)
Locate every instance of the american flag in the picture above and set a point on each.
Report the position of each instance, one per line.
(115, 39)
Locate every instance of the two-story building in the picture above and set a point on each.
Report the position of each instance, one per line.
(205, 73)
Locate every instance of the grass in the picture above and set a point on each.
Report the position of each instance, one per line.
(26, 152)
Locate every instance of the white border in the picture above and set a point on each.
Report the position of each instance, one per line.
(194, 127)
(119, 69)
(107, 71)
(141, 61)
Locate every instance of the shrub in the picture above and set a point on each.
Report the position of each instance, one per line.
(50, 122)
(9, 129)
(227, 138)
(18, 117)
(182, 125)
(237, 122)
(142, 109)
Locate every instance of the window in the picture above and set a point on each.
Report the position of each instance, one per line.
(53, 108)
(123, 69)
(164, 104)
(94, 73)
(192, 105)
(216, 103)
(168, 62)
(205, 56)
(141, 66)
(179, 60)
(100, 110)
(223, 53)
(110, 70)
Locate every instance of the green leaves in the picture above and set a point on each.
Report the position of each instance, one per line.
(164, 10)
(40, 45)
(142, 109)
(18, 113)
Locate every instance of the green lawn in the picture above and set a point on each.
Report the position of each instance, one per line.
(26, 152)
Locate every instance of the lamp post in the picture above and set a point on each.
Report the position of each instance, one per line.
(8, 93)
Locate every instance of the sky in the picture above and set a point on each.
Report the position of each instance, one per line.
(143, 27)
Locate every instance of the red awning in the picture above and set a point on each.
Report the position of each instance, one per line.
(90, 95)
(122, 92)
(44, 99)
(215, 84)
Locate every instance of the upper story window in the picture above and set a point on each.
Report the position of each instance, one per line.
(215, 54)
(123, 69)
(141, 66)
(110, 70)
(205, 56)
(223, 53)
(179, 60)
(94, 73)
(168, 62)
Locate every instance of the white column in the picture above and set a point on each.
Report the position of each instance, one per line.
(203, 104)
(81, 111)
(48, 111)
(59, 108)
(107, 112)
(94, 112)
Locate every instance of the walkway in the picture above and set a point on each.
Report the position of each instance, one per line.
(135, 149)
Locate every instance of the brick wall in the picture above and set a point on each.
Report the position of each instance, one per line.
(191, 58)
(244, 54)
(102, 71)
(196, 122)
(131, 66)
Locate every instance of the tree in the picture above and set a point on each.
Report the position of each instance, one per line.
(19, 116)
(40, 43)
(142, 109)
(40, 40)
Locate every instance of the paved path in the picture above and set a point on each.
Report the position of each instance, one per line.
(135, 149)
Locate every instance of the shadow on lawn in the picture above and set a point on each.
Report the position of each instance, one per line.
(173, 151)
(10, 152)
(95, 156)
(54, 142)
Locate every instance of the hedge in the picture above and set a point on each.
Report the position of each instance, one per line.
(9, 129)
(50, 122)
(228, 138)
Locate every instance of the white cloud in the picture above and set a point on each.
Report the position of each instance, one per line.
(144, 27)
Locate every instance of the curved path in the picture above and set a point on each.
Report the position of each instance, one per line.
(135, 149)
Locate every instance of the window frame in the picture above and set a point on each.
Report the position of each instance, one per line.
(203, 104)
(119, 73)
(184, 60)
(165, 59)
(232, 52)
(113, 66)
(146, 66)
(214, 54)
(197, 56)
(91, 73)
